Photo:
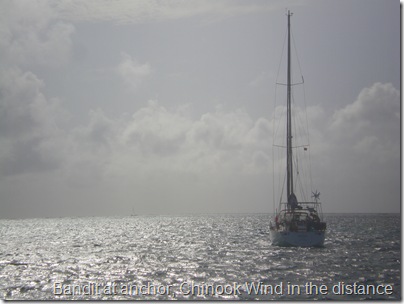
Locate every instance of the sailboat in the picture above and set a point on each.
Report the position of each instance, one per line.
(297, 223)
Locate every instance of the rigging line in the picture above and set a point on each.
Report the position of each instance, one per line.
(297, 57)
(301, 74)
(280, 62)
(303, 131)
(308, 137)
(273, 175)
(276, 86)
(305, 181)
(307, 176)
(298, 124)
(299, 186)
(273, 157)
(280, 185)
(277, 127)
(304, 169)
(296, 138)
(282, 114)
(300, 177)
(276, 82)
(283, 188)
(275, 130)
(273, 179)
(300, 70)
(305, 107)
(304, 174)
(296, 168)
(302, 191)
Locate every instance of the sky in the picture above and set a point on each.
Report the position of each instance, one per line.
(156, 107)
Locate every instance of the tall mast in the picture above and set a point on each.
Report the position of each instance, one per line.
(289, 160)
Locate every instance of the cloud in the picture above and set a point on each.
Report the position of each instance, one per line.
(164, 155)
(29, 123)
(157, 138)
(375, 106)
(190, 163)
(360, 166)
(25, 110)
(371, 123)
(31, 36)
(142, 11)
(35, 137)
(132, 72)
(354, 152)
(30, 33)
(210, 162)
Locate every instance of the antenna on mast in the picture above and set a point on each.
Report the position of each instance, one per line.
(288, 12)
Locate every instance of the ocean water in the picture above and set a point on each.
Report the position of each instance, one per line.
(168, 257)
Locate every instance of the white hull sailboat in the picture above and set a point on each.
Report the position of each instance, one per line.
(296, 223)
(300, 228)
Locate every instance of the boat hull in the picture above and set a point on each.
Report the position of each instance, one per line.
(297, 239)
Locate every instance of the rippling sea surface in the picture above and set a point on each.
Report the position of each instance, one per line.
(37, 255)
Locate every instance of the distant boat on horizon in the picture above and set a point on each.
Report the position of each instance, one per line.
(296, 223)
(133, 212)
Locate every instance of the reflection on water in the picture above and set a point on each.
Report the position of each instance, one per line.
(170, 251)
